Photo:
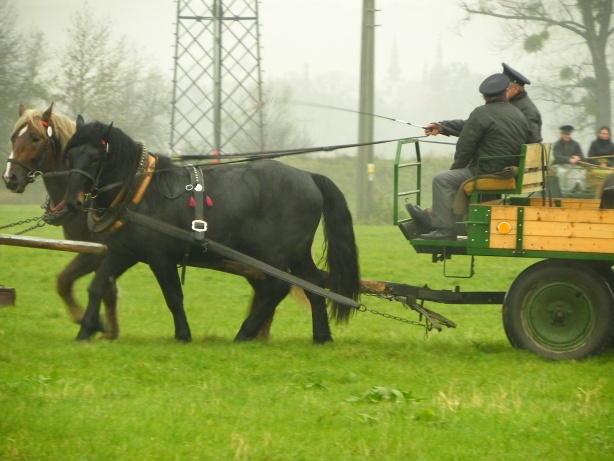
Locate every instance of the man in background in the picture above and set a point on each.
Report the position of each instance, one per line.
(517, 95)
(567, 164)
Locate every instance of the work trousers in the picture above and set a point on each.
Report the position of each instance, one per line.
(445, 187)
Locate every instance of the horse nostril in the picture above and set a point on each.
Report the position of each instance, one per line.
(74, 205)
(10, 182)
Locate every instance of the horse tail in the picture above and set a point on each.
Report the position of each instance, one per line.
(340, 247)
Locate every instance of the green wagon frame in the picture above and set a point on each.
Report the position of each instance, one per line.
(560, 307)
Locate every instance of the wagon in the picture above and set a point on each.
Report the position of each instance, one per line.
(560, 307)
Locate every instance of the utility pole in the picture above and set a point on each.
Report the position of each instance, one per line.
(366, 168)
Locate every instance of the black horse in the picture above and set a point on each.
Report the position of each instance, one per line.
(264, 209)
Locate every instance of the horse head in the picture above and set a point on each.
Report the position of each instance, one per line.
(37, 144)
(88, 155)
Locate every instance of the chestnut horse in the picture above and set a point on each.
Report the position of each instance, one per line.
(38, 141)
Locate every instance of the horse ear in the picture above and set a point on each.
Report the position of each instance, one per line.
(107, 132)
(80, 121)
(22, 109)
(47, 114)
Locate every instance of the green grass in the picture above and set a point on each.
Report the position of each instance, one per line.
(381, 391)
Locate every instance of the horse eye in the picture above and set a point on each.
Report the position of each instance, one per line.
(35, 138)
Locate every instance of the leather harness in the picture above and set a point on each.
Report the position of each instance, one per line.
(196, 237)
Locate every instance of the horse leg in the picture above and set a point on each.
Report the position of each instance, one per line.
(267, 295)
(264, 333)
(76, 269)
(109, 299)
(111, 268)
(308, 271)
(168, 278)
(265, 330)
(80, 266)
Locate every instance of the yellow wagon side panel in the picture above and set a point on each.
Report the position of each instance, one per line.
(583, 230)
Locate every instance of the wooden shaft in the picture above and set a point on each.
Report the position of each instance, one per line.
(53, 244)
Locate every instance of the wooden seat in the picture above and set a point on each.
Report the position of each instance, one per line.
(529, 177)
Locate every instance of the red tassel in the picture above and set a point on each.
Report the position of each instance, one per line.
(192, 202)
(209, 201)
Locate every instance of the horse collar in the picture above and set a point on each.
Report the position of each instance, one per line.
(128, 198)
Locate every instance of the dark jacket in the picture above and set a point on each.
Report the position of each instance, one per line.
(599, 148)
(523, 103)
(564, 150)
(493, 133)
(531, 113)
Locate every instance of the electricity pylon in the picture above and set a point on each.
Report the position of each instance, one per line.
(217, 90)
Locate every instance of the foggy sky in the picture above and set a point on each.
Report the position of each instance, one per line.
(313, 38)
(321, 35)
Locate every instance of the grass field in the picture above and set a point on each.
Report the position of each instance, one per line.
(381, 391)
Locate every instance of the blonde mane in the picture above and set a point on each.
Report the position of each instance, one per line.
(63, 126)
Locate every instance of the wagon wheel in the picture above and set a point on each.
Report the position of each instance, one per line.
(560, 310)
(607, 273)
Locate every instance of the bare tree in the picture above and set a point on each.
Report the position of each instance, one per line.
(566, 29)
(103, 78)
(281, 130)
(21, 62)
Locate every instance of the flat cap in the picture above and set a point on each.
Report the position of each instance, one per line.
(566, 129)
(515, 76)
(494, 85)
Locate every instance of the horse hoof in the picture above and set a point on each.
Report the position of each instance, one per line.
(109, 335)
(320, 341)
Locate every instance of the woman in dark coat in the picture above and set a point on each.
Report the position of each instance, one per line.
(602, 147)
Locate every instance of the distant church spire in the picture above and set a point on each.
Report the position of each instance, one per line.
(394, 70)
(438, 55)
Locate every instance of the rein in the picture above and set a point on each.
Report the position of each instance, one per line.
(251, 156)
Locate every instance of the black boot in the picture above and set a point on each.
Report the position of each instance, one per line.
(421, 217)
(440, 234)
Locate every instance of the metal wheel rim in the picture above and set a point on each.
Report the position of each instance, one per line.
(559, 316)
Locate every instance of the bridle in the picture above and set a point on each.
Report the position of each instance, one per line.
(127, 199)
(95, 178)
(35, 173)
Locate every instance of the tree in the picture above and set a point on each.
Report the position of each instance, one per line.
(281, 128)
(570, 29)
(21, 61)
(107, 80)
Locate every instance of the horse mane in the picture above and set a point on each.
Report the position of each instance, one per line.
(165, 162)
(64, 126)
(123, 150)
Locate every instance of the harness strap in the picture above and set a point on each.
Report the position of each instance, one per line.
(235, 255)
(197, 185)
(127, 197)
(199, 226)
